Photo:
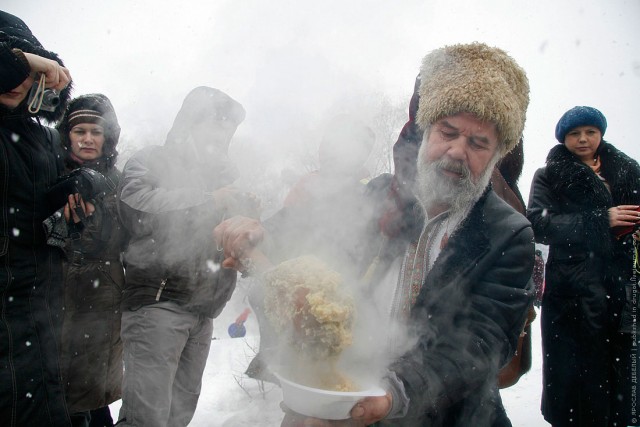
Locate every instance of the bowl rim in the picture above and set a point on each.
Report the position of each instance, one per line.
(375, 391)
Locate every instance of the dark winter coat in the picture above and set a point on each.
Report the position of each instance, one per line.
(31, 391)
(504, 182)
(586, 272)
(94, 281)
(468, 316)
(91, 350)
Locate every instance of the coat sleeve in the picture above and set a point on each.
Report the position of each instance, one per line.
(468, 331)
(143, 201)
(553, 225)
(13, 70)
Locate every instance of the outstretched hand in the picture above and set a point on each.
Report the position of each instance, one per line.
(238, 238)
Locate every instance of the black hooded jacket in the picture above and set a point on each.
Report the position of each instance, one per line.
(31, 391)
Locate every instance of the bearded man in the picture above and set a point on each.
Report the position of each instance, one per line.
(462, 282)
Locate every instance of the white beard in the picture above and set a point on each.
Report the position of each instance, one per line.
(433, 188)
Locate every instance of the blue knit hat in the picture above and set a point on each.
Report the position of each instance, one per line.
(580, 116)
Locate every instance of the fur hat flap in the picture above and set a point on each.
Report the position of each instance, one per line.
(477, 79)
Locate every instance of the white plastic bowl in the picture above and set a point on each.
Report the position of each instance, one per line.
(323, 404)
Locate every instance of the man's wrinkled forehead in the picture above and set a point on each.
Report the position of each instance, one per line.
(476, 131)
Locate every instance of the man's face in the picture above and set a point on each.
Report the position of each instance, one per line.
(456, 160)
(212, 135)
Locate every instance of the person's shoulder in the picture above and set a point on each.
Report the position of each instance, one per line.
(498, 213)
(618, 156)
(144, 154)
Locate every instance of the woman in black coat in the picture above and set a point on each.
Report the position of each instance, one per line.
(31, 392)
(587, 192)
(91, 354)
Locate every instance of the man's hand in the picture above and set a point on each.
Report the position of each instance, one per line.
(623, 215)
(366, 412)
(238, 237)
(57, 77)
(372, 409)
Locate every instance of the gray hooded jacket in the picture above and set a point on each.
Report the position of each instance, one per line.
(165, 202)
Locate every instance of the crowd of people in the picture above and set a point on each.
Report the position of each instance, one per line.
(111, 280)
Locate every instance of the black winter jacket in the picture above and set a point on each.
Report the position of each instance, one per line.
(587, 275)
(31, 391)
(568, 208)
(467, 319)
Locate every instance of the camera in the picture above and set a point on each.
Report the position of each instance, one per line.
(90, 184)
(50, 97)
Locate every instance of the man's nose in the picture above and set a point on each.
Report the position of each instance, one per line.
(457, 149)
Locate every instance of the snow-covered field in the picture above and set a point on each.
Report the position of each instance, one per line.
(231, 399)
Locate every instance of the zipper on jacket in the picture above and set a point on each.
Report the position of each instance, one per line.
(163, 283)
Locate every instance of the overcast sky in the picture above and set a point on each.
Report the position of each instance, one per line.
(291, 62)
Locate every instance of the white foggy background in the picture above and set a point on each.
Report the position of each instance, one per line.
(293, 64)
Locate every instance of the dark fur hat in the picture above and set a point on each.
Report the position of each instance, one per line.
(16, 35)
(477, 79)
(93, 108)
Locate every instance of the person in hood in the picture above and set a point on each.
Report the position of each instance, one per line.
(31, 391)
(584, 204)
(343, 151)
(461, 283)
(170, 199)
(91, 354)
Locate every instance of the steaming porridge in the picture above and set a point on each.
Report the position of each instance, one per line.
(306, 303)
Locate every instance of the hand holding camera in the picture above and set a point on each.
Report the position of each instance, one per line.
(57, 77)
(77, 209)
(85, 184)
(41, 98)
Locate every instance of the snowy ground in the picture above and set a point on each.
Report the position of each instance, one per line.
(230, 399)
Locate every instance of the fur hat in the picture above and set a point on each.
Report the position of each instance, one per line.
(93, 108)
(580, 116)
(477, 79)
(16, 35)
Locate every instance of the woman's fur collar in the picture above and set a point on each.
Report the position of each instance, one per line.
(577, 182)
